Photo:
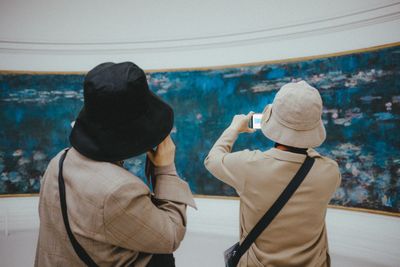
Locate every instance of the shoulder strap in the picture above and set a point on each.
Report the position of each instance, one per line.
(275, 208)
(80, 251)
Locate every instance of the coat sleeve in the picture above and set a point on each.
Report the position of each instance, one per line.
(146, 223)
(226, 165)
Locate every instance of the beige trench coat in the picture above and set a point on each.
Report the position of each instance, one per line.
(111, 213)
(297, 236)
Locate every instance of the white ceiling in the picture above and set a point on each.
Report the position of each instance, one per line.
(147, 21)
(74, 35)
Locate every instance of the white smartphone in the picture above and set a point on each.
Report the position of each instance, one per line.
(255, 121)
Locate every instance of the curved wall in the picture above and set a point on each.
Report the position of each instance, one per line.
(361, 111)
(74, 35)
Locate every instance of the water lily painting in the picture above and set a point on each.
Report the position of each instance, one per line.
(360, 90)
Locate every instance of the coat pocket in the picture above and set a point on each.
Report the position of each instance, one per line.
(324, 259)
(252, 260)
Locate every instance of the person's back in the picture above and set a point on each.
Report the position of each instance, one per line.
(112, 214)
(297, 236)
(99, 209)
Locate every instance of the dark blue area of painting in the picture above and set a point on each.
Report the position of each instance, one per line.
(31, 132)
(361, 94)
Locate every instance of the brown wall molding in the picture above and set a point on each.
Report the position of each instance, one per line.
(258, 63)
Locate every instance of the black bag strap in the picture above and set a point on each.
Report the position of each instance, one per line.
(80, 251)
(275, 208)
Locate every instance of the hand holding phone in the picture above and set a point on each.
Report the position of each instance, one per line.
(164, 154)
(255, 121)
(241, 123)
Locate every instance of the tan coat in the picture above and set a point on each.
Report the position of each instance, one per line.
(297, 236)
(111, 214)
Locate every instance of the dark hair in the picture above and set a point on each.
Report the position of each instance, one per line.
(293, 149)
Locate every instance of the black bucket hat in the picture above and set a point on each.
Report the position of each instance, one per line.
(121, 116)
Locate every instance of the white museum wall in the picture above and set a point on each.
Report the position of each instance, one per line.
(45, 35)
(63, 36)
(355, 238)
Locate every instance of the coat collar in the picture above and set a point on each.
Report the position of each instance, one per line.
(290, 156)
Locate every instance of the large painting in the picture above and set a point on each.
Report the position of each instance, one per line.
(361, 94)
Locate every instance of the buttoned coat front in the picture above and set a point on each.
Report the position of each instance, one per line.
(112, 213)
(297, 236)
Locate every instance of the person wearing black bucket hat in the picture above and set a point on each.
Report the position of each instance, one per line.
(94, 212)
(121, 117)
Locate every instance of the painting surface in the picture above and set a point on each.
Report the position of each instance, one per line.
(361, 94)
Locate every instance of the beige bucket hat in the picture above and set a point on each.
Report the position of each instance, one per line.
(294, 118)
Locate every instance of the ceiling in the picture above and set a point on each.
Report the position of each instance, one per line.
(153, 23)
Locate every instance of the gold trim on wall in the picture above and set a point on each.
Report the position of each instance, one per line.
(376, 212)
(379, 212)
(267, 62)
(298, 59)
(280, 61)
(19, 195)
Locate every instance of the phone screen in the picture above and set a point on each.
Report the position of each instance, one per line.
(256, 121)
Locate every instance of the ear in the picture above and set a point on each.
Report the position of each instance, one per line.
(266, 113)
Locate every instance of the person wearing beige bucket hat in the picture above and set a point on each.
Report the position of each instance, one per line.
(294, 118)
(297, 235)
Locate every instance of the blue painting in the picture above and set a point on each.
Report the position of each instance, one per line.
(361, 94)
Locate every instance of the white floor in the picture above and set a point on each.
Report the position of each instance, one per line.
(18, 249)
(197, 250)
(356, 239)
